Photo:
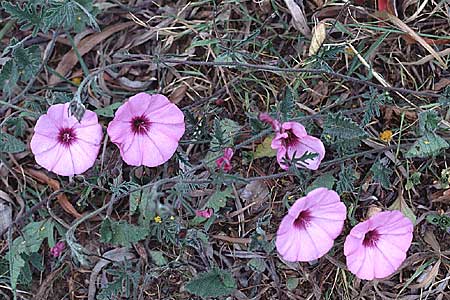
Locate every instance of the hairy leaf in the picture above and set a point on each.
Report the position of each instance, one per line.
(121, 232)
(10, 144)
(214, 283)
(218, 200)
(342, 133)
(430, 144)
(381, 173)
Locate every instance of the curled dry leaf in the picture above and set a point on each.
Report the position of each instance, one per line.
(318, 37)
(428, 276)
(255, 192)
(298, 17)
(54, 185)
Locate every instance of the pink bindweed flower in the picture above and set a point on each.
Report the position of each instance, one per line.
(147, 129)
(291, 140)
(377, 247)
(63, 145)
(308, 231)
(224, 162)
(57, 250)
(205, 213)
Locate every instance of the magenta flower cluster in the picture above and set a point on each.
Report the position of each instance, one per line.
(374, 248)
(146, 129)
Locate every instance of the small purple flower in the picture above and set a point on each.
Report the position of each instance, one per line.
(224, 161)
(57, 250)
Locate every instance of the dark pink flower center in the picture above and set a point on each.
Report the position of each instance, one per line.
(291, 139)
(67, 136)
(371, 238)
(140, 125)
(303, 219)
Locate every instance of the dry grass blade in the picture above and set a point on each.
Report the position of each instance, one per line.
(405, 28)
(428, 58)
(70, 59)
(299, 19)
(429, 277)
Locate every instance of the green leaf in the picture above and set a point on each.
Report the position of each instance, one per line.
(109, 110)
(10, 144)
(346, 179)
(218, 200)
(342, 133)
(287, 105)
(265, 149)
(27, 15)
(135, 199)
(224, 134)
(428, 121)
(158, 258)
(400, 204)
(28, 61)
(214, 283)
(428, 145)
(257, 264)
(381, 173)
(326, 180)
(441, 221)
(292, 283)
(121, 233)
(9, 75)
(413, 180)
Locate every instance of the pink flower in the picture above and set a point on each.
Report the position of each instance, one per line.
(292, 139)
(147, 129)
(377, 247)
(224, 161)
(308, 231)
(63, 145)
(265, 117)
(205, 213)
(57, 250)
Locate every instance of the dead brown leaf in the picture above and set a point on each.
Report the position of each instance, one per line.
(298, 17)
(178, 94)
(54, 185)
(318, 37)
(430, 276)
(70, 59)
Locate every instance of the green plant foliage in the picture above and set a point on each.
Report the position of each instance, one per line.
(428, 121)
(326, 180)
(225, 131)
(441, 221)
(121, 232)
(287, 105)
(346, 179)
(109, 110)
(28, 14)
(219, 199)
(342, 133)
(23, 65)
(430, 144)
(10, 144)
(373, 103)
(42, 15)
(25, 245)
(381, 173)
(123, 286)
(214, 283)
